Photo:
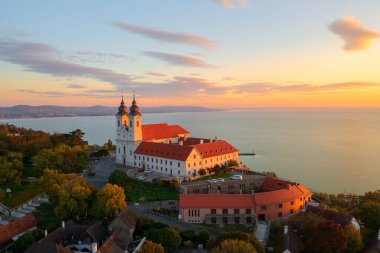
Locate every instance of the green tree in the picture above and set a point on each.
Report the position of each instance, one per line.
(203, 238)
(2, 194)
(169, 238)
(109, 199)
(11, 168)
(24, 241)
(234, 246)
(202, 172)
(118, 177)
(354, 239)
(370, 215)
(151, 247)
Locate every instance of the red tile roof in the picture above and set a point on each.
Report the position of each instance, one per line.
(193, 141)
(273, 183)
(280, 196)
(169, 151)
(216, 201)
(161, 131)
(215, 148)
(17, 227)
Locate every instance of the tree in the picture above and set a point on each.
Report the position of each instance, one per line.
(354, 239)
(69, 194)
(202, 172)
(109, 199)
(24, 241)
(370, 215)
(169, 238)
(246, 237)
(203, 238)
(118, 177)
(11, 168)
(2, 194)
(234, 246)
(151, 247)
(327, 237)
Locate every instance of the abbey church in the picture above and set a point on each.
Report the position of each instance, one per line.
(166, 149)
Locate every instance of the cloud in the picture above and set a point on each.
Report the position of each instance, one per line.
(45, 93)
(180, 60)
(75, 86)
(165, 36)
(43, 58)
(155, 74)
(233, 3)
(355, 36)
(267, 88)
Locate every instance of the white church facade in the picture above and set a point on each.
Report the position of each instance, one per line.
(166, 149)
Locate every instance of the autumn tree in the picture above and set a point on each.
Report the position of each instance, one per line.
(108, 200)
(234, 246)
(69, 194)
(151, 247)
(241, 236)
(354, 239)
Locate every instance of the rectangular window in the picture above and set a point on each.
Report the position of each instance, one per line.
(161, 161)
(248, 211)
(225, 220)
(179, 165)
(179, 172)
(291, 211)
(280, 214)
(171, 163)
(213, 211)
(263, 208)
(248, 220)
(237, 220)
(292, 202)
(279, 205)
(236, 211)
(166, 162)
(213, 220)
(156, 160)
(225, 211)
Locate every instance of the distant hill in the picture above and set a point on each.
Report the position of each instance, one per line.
(28, 111)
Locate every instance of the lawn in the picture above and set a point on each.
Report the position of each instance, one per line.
(22, 193)
(219, 175)
(135, 190)
(46, 217)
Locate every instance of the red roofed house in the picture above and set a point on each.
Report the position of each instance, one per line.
(10, 232)
(244, 208)
(166, 149)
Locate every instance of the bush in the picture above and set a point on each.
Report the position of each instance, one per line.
(24, 241)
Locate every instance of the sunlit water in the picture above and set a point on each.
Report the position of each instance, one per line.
(328, 150)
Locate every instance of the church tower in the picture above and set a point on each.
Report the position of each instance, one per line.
(134, 136)
(121, 131)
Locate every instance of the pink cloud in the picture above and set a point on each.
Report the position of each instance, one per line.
(177, 59)
(165, 36)
(355, 36)
(233, 3)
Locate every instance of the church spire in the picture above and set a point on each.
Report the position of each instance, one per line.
(122, 108)
(134, 109)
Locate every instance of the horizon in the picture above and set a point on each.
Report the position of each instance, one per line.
(264, 55)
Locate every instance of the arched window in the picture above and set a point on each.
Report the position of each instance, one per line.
(124, 149)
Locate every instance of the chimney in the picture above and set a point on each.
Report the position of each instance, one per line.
(201, 141)
(286, 230)
(46, 232)
(63, 224)
(94, 247)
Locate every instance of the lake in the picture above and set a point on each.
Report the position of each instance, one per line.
(336, 151)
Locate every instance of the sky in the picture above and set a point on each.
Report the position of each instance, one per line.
(214, 53)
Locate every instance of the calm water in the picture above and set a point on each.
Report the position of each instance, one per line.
(332, 151)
